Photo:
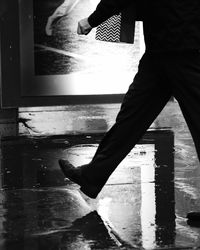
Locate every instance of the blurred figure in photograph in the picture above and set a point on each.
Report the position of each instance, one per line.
(63, 10)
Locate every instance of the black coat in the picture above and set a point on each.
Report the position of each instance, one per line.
(168, 24)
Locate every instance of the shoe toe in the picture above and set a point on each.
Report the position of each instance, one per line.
(74, 174)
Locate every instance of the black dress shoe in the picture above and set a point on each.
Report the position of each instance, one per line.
(74, 174)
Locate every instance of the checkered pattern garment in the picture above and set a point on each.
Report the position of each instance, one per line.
(109, 30)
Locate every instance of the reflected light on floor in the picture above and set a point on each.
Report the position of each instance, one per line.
(148, 205)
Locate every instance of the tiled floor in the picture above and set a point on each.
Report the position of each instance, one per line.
(142, 206)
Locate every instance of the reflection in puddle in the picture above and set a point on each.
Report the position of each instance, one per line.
(39, 210)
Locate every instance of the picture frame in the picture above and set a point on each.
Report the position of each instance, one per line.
(85, 75)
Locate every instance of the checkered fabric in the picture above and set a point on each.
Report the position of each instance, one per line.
(110, 30)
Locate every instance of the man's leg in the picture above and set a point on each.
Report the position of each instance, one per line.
(145, 99)
(186, 86)
(185, 78)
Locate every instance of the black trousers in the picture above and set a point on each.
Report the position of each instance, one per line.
(160, 76)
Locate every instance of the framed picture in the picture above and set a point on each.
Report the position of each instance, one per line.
(53, 65)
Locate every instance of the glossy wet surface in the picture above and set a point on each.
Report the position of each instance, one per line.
(142, 206)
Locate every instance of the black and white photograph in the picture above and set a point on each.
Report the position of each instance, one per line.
(99, 125)
(64, 63)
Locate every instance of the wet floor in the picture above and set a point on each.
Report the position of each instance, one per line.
(142, 206)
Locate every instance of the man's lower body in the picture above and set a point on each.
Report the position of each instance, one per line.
(160, 75)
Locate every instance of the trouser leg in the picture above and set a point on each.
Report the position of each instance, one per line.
(146, 97)
(186, 82)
